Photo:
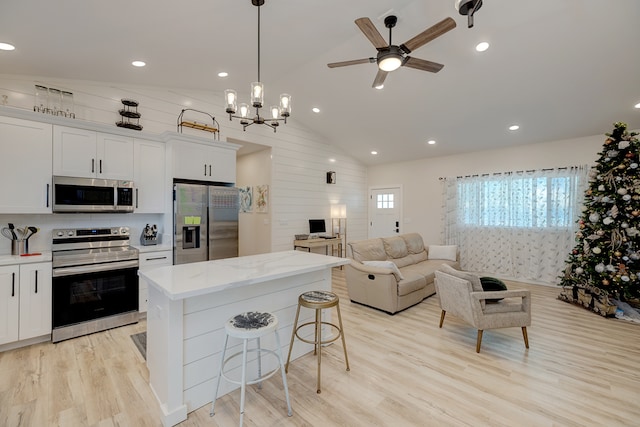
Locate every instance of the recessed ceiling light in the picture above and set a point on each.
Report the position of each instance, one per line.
(332, 160)
(379, 87)
(138, 63)
(514, 127)
(6, 46)
(374, 153)
(223, 74)
(637, 105)
(431, 142)
(315, 109)
(482, 46)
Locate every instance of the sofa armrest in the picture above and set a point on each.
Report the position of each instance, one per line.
(369, 269)
(373, 286)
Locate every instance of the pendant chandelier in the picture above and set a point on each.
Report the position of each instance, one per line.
(276, 113)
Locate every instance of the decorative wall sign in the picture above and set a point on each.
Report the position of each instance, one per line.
(331, 177)
(246, 199)
(262, 198)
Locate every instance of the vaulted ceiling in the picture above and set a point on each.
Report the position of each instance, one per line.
(559, 69)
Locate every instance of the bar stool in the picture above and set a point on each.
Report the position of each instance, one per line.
(318, 300)
(247, 326)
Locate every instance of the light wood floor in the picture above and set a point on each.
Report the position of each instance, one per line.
(581, 370)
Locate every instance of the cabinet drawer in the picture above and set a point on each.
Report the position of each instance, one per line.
(155, 259)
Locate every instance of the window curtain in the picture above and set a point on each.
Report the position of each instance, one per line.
(518, 225)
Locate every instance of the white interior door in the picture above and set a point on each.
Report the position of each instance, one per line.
(385, 212)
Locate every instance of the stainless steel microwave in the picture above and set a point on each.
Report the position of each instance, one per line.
(92, 195)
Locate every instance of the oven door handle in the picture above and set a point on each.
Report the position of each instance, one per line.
(94, 268)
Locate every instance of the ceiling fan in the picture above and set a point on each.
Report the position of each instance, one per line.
(391, 57)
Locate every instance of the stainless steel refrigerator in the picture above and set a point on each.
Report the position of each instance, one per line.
(205, 222)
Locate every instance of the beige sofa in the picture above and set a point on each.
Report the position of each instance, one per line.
(393, 286)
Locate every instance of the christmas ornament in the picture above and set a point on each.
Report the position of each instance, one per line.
(610, 268)
(612, 153)
(605, 282)
(624, 278)
(601, 187)
(633, 165)
(635, 212)
(618, 254)
(622, 191)
(594, 217)
(579, 270)
(607, 221)
(626, 197)
(597, 250)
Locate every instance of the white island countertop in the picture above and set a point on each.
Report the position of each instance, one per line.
(189, 280)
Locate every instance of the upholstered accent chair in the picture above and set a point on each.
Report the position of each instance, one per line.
(460, 294)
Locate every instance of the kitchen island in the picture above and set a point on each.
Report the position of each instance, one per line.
(189, 304)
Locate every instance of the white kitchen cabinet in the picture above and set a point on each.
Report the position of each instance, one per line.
(9, 303)
(35, 300)
(149, 261)
(204, 162)
(25, 301)
(90, 154)
(25, 175)
(149, 176)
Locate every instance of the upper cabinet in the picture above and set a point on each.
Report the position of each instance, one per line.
(149, 176)
(204, 162)
(90, 154)
(25, 175)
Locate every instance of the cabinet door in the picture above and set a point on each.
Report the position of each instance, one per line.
(25, 174)
(223, 165)
(149, 176)
(114, 157)
(191, 161)
(35, 300)
(148, 261)
(9, 303)
(74, 152)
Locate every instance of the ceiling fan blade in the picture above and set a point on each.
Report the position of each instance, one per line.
(422, 64)
(371, 32)
(447, 24)
(352, 62)
(379, 80)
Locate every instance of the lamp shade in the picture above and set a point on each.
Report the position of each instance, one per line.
(231, 100)
(338, 211)
(285, 105)
(257, 94)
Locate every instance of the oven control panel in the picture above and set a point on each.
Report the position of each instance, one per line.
(90, 232)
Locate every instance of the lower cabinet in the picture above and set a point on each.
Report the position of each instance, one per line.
(149, 261)
(25, 301)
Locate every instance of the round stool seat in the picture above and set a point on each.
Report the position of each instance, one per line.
(252, 324)
(318, 299)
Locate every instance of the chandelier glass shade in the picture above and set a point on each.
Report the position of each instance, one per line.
(245, 112)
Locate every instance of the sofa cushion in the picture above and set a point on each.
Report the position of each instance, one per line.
(414, 242)
(395, 247)
(448, 252)
(419, 257)
(368, 250)
(412, 282)
(404, 261)
(386, 264)
(424, 268)
(476, 285)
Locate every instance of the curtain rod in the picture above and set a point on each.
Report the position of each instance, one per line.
(513, 172)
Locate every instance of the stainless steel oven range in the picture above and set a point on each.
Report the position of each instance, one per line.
(95, 281)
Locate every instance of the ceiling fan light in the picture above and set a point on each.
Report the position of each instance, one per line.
(390, 62)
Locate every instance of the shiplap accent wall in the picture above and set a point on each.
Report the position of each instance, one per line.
(298, 190)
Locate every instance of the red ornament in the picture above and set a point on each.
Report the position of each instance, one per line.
(629, 155)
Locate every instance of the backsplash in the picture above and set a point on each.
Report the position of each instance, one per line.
(41, 241)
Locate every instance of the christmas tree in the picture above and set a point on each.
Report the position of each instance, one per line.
(605, 263)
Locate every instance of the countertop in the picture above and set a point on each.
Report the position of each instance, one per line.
(200, 278)
(153, 248)
(17, 259)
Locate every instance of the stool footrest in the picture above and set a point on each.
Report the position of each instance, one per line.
(255, 380)
(313, 341)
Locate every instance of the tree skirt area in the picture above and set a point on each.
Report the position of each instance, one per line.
(594, 300)
(140, 340)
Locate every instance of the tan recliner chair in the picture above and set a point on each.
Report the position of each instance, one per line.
(461, 294)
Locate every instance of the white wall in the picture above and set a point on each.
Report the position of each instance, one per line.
(299, 163)
(422, 190)
(254, 228)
